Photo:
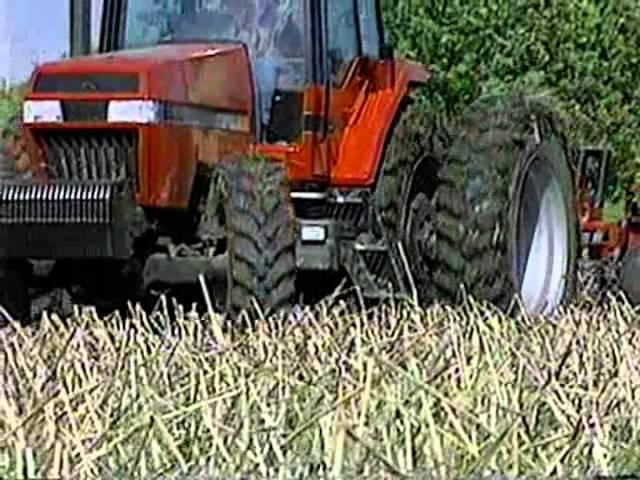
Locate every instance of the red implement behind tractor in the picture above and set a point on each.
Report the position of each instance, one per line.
(271, 145)
(617, 243)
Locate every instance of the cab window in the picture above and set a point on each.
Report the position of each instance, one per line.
(369, 28)
(343, 42)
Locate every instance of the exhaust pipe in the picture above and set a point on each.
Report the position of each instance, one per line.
(79, 27)
(630, 276)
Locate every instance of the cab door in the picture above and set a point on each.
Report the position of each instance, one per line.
(353, 39)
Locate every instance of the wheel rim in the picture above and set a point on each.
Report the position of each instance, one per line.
(541, 250)
(420, 237)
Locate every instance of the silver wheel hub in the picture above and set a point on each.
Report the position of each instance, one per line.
(541, 251)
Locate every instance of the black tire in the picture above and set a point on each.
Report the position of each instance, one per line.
(406, 185)
(261, 238)
(630, 276)
(504, 143)
(15, 278)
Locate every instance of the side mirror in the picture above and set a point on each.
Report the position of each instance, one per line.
(386, 51)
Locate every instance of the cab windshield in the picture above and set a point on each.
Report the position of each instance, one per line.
(271, 29)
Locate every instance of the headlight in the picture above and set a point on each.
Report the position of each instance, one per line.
(133, 111)
(38, 111)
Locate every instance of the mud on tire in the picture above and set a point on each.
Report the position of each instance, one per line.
(506, 147)
(260, 238)
(406, 185)
(629, 278)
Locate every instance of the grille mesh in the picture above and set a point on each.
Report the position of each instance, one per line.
(82, 156)
(55, 204)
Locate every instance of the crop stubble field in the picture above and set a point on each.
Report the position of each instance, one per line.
(396, 391)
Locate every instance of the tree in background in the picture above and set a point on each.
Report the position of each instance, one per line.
(583, 52)
(10, 104)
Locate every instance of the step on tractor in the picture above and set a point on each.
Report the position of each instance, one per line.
(611, 256)
(272, 147)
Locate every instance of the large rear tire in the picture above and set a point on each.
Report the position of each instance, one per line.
(260, 238)
(506, 224)
(406, 186)
(630, 276)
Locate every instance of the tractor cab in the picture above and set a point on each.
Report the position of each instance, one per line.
(293, 45)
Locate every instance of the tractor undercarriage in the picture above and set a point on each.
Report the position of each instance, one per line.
(334, 236)
(83, 230)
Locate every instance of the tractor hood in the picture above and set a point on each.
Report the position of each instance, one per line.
(200, 74)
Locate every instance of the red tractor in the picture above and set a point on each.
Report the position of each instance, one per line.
(607, 243)
(273, 146)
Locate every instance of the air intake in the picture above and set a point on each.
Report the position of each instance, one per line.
(90, 155)
(53, 204)
(87, 83)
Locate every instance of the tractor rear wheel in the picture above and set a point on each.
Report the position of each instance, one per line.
(406, 185)
(630, 275)
(505, 219)
(260, 238)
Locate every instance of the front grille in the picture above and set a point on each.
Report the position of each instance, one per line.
(352, 212)
(87, 155)
(87, 83)
(84, 110)
(56, 204)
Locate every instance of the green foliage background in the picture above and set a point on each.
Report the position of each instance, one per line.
(586, 53)
(10, 102)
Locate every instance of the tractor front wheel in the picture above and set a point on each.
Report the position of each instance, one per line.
(258, 219)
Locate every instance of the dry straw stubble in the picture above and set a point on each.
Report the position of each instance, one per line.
(448, 391)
